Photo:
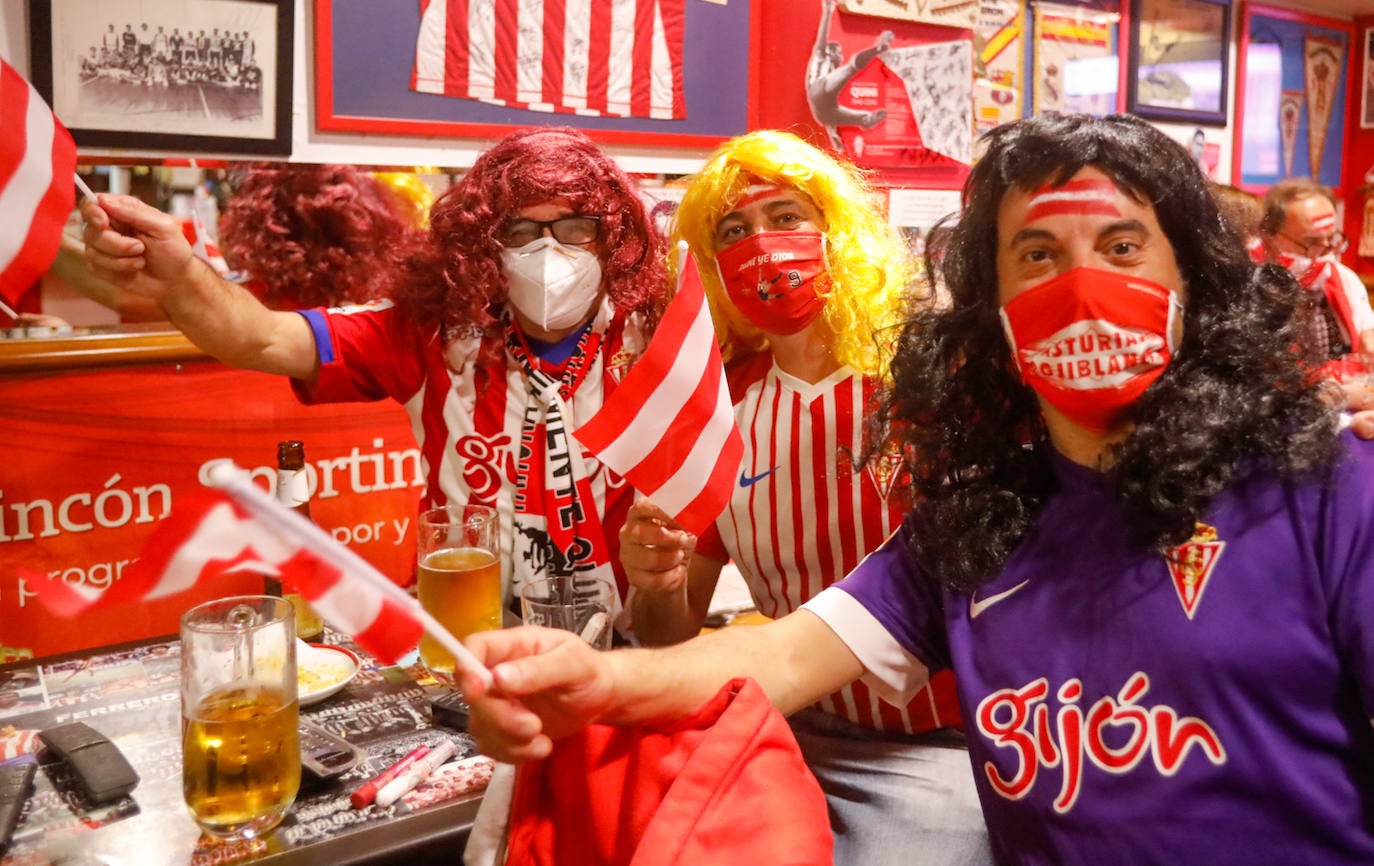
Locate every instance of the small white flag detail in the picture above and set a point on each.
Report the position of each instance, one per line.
(669, 428)
(37, 164)
(203, 246)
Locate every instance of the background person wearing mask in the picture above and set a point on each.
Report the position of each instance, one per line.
(806, 279)
(1300, 232)
(1152, 577)
(531, 294)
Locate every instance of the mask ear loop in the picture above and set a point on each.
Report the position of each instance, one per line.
(1175, 322)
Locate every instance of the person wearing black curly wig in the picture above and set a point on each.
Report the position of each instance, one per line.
(1143, 549)
(507, 323)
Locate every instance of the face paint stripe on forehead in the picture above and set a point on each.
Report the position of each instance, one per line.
(1324, 223)
(1092, 196)
(756, 192)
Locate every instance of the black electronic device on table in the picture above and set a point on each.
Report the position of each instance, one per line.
(100, 769)
(325, 755)
(16, 782)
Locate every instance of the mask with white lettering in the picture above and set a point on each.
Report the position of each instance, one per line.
(1089, 342)
(552, 285)
(771, 278)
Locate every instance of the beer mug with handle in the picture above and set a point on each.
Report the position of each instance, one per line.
(458, 577)
(240, 747)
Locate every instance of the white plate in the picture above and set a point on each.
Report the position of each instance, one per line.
(333, 666)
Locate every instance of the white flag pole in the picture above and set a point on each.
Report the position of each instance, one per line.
(85, 190)
(290, 526)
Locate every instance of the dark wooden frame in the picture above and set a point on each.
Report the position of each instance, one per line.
(46, 51)
(1141, 11)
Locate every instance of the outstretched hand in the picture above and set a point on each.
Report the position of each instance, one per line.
(134, 245)
(547, 684)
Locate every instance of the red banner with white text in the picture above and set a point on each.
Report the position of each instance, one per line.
(97, 458)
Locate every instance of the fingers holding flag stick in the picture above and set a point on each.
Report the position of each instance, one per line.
(334, 598)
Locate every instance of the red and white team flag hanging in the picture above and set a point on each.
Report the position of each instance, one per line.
(599, 58)
(37, 164)
(669, 428)
(239, 527)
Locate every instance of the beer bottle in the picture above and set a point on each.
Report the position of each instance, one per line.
(293, 491)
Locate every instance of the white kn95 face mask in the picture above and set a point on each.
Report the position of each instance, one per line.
(552, 285)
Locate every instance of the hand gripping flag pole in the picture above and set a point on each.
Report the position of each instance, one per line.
(292, 528)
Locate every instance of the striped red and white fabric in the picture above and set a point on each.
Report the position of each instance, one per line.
(669, 428)
(37, 163)
(600, 58)
(204, 246)
(208, 535)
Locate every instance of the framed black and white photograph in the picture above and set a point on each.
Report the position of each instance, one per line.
(1177, 60)
(209, 76)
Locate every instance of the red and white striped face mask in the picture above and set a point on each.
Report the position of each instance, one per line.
(1089, 342)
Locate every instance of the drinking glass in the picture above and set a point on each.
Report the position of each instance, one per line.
(583, 605)
(240, 748)
(459, 577)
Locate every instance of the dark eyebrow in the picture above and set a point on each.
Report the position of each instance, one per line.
(1031, 234)
(1123, 226)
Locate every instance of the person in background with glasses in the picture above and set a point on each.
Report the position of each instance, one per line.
(534, 290)
(1299, 231)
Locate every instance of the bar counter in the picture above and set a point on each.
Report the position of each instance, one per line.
(130, 694)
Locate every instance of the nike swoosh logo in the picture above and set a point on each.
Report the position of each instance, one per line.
(976, 607)
(746, 480)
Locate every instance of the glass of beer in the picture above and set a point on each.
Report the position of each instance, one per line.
(240, 748)
(459, 577)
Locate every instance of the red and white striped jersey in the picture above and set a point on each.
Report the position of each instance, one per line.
(467, 418)
(615, 58)
(802, 517)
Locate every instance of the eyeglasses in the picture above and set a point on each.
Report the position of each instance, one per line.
(1317, 247)
(572, 229)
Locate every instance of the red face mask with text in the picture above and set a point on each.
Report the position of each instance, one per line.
(771, 278)
(1089, 342)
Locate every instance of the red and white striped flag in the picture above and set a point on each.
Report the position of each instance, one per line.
(37, 164)
(617, 58)
(211, 534)
(204, 246)
(669, 428)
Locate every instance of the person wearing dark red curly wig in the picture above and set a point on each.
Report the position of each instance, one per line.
(312, 236)
(532, 293)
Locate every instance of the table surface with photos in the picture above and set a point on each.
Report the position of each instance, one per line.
(131, 694)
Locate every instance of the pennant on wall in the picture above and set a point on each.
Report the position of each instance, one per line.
(1290, 111)
(1322, 65)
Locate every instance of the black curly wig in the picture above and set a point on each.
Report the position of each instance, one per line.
(1233, 400)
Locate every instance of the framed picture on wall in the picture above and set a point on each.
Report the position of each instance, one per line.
(167, 75)
(1076, 65)
(1178, 55)
(1367, 86)
(1292, 86)
(671, 74)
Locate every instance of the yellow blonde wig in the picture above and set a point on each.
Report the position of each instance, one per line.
(868, 262)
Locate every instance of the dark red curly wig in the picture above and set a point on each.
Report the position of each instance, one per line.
(453, 278)
(313, 236)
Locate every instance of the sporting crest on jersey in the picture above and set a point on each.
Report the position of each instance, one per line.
(886, 468)
(1191, 564)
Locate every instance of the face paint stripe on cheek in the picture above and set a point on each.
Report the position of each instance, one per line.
(1089, 196)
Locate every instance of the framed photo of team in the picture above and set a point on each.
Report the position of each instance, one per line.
(208, 76)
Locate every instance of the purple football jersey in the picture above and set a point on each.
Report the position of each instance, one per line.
(1123, 710)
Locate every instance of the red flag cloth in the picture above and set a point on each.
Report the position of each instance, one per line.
(208, 535)
(669, 428)
(726, 786)
(202, 245)
(37, 164)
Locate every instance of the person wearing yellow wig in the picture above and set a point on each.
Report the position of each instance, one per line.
(805, 278)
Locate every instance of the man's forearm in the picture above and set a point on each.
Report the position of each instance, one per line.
(796, 659)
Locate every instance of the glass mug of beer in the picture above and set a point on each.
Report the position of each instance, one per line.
(458, 578)
(240, 748)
